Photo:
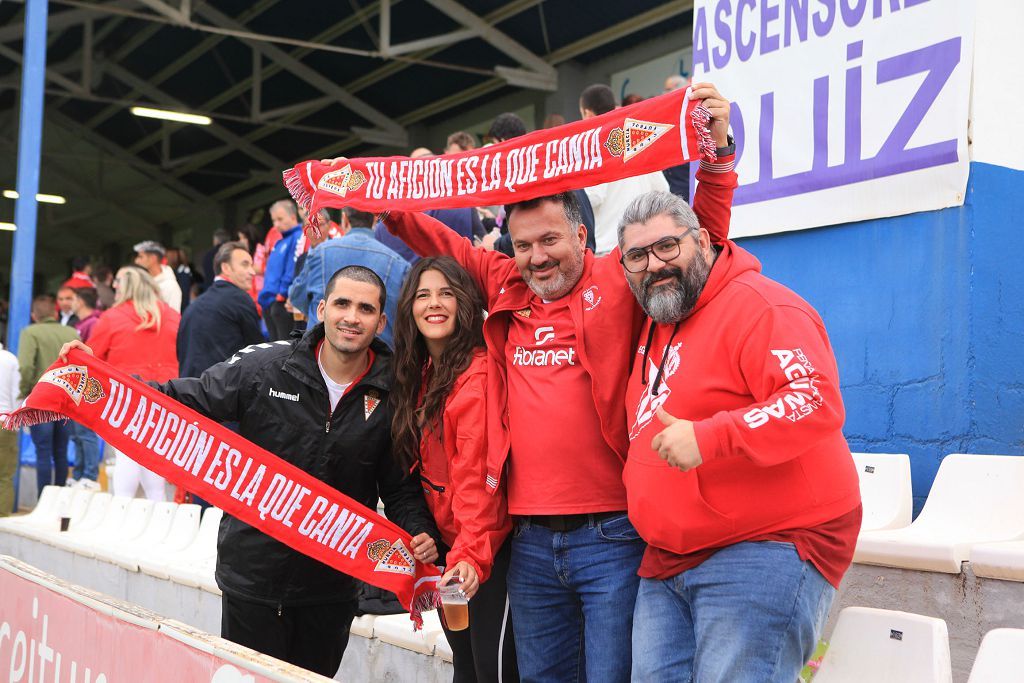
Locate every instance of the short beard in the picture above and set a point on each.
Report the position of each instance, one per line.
(562, 283)
(673, 302)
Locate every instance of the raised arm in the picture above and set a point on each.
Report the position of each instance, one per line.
(430, 237)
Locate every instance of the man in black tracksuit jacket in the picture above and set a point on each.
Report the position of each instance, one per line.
(277, 600)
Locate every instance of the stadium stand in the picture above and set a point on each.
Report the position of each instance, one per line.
(974, 499)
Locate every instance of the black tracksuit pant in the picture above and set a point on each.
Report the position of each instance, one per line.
(311, 636)
(485, 652)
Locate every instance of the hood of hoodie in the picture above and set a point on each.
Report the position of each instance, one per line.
(732, 261)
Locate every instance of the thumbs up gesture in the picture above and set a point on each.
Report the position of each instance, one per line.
(677, 442)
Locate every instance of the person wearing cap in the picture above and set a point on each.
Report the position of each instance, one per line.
(150, 256)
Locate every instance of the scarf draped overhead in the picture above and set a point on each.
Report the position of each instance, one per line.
(652, 135)
(247, 482)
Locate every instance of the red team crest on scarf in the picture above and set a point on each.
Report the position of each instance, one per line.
(75, 380)
(634, 137)
(394, 558)
(648, 136)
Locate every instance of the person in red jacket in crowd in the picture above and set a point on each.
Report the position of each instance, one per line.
(440, 427)
(560, 333)
(80, 274)
(138, 336)
(739, 477)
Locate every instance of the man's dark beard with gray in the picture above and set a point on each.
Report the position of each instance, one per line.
(672, 302)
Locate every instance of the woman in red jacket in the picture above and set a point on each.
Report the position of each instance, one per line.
(137, 336)
(440, 402)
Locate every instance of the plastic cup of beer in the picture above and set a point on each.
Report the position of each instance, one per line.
(455, 605)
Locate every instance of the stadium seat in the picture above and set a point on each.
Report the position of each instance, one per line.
(44, 506)
(202, 544)
(884, 646)
(974, 499)
(83, 539)
(884, 490)
(192, 566)
(397, 629)
(160, 524)
(1000, 657)
(443, 649)
(999, 560)
(132, 524)
(53, 503)
(93, 514)
(363, 626)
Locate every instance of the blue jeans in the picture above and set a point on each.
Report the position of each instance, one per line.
(751, 613)
(87, 452)
(572, 593)
(51, 442)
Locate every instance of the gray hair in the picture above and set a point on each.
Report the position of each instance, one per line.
(652, 204)
(286, 204)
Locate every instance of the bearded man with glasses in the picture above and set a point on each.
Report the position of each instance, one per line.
(738, 475)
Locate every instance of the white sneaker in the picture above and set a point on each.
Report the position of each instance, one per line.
(88, 484)
(70, 481)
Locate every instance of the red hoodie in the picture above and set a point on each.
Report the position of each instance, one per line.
(454, 474)
(753, 369)
(151, 353)
(606, 316)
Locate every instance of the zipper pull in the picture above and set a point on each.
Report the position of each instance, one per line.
(279, 608)
(327, 429)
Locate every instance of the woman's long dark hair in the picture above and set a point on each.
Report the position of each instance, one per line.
(412, 417)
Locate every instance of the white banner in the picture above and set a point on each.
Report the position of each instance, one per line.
(843, 110)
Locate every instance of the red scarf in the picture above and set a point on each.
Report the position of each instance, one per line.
(239, 477)
(652, 135)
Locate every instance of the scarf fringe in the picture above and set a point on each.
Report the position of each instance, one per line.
(699, 118)
(424, 602)
(29, 417)
(301, 195)
(296, 189)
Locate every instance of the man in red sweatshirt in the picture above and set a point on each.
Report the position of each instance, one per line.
(738, 475)
(561, 328)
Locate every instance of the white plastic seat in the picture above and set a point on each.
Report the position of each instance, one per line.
(443, 649)
(999, 560)
(885, 490)
(87, 521)
(48, 517)
(190, 566)
(884, 646)
(1000, 657)
(176, 551)
(974, 499)
(45, 507)
(133, 524)
(81, 541)
(363, 626)
(207, 576)
(397, 629)
(161, 521)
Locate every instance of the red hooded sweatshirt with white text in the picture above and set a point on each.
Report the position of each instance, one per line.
(753, 369)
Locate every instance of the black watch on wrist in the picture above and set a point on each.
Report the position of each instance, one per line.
(730, 147)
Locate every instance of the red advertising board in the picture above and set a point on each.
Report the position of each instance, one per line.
(51, 631)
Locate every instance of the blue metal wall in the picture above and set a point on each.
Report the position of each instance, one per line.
(926, 316)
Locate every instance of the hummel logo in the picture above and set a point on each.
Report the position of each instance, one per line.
(543, 335)
(274, 393)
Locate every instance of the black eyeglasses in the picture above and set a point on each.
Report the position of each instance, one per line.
(666, 249)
